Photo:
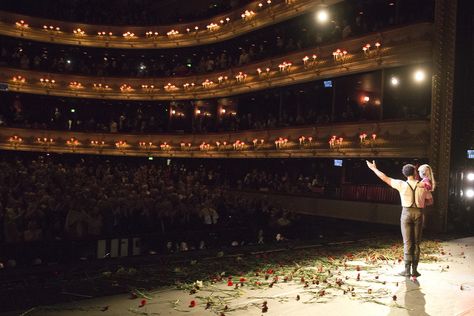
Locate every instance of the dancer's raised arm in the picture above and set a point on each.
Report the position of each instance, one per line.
(379, 173)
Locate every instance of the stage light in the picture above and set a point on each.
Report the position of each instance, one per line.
(470, 176)
(322, 16)
(469, 193)
(394, 81)
(419, 76)
(73, 110)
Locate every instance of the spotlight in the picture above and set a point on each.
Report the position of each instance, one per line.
(419, 75)
(469, 193)
(394, 81)
(322, 16)
(470, 176)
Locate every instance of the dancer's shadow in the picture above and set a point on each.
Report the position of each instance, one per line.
(414, 300)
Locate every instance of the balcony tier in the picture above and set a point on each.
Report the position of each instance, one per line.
(276, 12)
(393, 139)
(401, 46)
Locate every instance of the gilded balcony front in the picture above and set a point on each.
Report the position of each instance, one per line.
(389, 139)
(402, 46)
(227, 26)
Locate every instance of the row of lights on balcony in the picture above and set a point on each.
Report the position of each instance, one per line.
(170, 87)
(51, 28)
(240, 77)
(151, 34)
(335, 142)
(322, 16)
(419, 76)
(260, 5)
(128, 35)
(21, 24)
(199, 112)
(307, 59)
(366, 48)
(76, 85)
(339, 56)
(100, 86)
(213, 26)
(19, 79)
(104, 33)
(285, 66)
(247, 14)
(126, 88)
(79, 31)
(177, 113)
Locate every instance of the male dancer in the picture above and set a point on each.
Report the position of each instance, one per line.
(411, 220)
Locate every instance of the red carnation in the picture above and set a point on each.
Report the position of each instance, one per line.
(230, 283)
(192, 303)
(142, 303)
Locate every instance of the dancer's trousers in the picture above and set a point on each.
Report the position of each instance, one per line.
(411, 222)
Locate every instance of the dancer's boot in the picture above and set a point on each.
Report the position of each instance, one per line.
(406, 272)
(414, 267)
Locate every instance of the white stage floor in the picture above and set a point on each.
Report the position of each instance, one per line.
(445, 288)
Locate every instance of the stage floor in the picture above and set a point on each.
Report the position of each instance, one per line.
(446, 287)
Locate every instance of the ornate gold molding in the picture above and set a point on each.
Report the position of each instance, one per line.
(10, 25)
(402, 46)
(393, 139)
(442, 103)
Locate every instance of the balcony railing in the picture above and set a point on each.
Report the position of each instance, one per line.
(249, 18)
(397, 47)
(393, 139)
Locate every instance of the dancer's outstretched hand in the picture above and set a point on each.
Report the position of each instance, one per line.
(371, 165)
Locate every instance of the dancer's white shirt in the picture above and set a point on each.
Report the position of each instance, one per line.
(406, 194)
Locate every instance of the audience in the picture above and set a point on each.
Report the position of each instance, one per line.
(46, 198)
(125, 12)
